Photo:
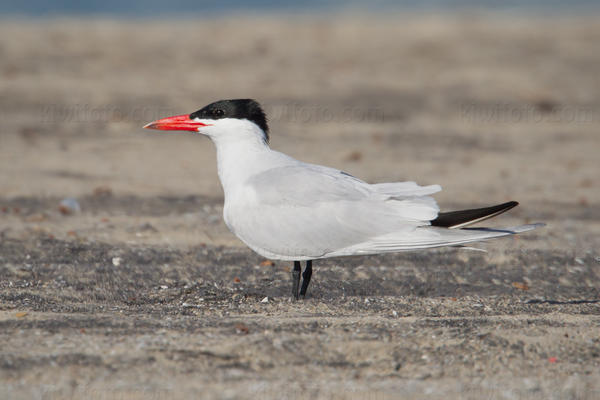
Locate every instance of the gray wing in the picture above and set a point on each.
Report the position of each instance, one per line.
(308, 211)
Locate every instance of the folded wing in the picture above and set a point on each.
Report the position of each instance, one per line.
(307, 211)
(310, 211)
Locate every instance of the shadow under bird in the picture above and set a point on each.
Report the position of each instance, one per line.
(285, 209)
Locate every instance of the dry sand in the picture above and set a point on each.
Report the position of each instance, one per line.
(144, 294)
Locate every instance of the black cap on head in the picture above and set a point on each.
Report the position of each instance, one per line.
(237, 108)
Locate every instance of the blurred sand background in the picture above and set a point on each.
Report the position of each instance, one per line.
(493, 108)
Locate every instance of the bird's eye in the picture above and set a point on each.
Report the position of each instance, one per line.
(218, 112)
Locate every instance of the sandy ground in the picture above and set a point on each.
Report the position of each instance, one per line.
(144, 294)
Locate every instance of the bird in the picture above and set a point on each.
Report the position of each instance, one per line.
(286, 209)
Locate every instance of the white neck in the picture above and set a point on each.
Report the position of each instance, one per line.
(241, 152)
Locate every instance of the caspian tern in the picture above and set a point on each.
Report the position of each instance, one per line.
(285, 209)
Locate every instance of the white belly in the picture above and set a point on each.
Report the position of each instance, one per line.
(261, 229)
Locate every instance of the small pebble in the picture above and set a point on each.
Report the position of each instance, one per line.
(69, 206)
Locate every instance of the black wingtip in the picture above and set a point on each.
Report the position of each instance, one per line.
(462, 218)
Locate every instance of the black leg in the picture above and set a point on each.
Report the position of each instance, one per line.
(296, 279)
(306, 278)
